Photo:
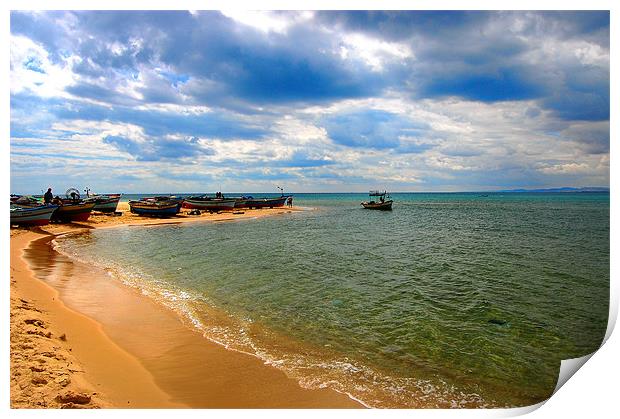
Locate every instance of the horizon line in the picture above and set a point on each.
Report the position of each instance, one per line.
(513, 190)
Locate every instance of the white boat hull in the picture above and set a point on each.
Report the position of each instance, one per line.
(32, 216)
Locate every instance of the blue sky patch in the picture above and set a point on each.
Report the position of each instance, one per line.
(34, 64)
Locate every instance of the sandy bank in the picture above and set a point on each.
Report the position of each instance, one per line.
(56, 350)
(97, 338)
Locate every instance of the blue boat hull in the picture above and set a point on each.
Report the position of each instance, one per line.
(167, 211)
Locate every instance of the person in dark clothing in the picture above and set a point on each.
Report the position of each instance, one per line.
(289, 201)
(48, 196)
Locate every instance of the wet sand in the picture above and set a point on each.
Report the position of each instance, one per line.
(126, 348)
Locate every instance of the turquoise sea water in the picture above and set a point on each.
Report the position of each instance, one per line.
(449, 300)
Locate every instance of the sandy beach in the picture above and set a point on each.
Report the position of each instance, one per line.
(79, 340)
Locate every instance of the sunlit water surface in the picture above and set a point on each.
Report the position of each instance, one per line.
(449, 300)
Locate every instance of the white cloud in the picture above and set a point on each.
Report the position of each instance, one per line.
(267, 21)
(298, 132)
(32, 70)
(374, 52)
(566, 168)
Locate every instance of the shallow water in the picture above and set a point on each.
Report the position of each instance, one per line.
(449, 300)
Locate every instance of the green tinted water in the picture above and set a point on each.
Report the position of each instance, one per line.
(448, 300)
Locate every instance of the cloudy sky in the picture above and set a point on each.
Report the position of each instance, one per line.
(173, 101)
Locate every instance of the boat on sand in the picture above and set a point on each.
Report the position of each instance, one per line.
(71, 211)
(71, 208)
(205, 203)
(262, 202)
(104, 203)
(32, 216)
(155, 208)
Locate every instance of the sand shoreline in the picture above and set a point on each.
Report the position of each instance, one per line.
(59, 349)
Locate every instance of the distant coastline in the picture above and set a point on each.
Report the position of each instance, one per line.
(564, 189)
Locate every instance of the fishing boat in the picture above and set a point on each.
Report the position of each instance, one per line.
(206, 203)
(381, 203)
(155, 208)
(32, 216)
(73, 210)
(263, 202)
(105, 203)
(242, 201)
(26, 201)
(163, 198)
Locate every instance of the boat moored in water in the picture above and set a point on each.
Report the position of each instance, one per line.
(381, 203)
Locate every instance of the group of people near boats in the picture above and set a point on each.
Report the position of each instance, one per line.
(31, 210)
(50, 199)
(28, 210)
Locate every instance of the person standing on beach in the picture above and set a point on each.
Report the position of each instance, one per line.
(48, 196)
(289, 201)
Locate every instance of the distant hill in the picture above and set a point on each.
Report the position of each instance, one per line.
(564, 189)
